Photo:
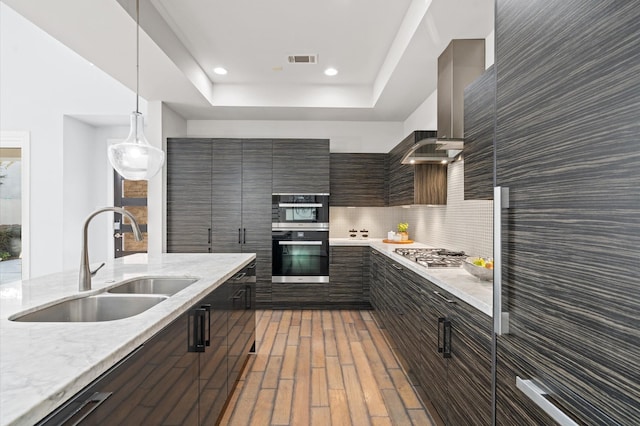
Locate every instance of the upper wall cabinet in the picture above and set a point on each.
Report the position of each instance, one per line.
(479, 110)
(358, 180)
(301, 166)
(415, 184)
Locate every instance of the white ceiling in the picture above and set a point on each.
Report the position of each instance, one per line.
(385, 51)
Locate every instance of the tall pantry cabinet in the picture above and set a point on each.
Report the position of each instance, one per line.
(224, 187)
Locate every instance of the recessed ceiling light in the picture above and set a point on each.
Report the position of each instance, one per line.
(331, 72)
(220, 70)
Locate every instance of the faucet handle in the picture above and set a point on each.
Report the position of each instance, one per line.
(95, 271)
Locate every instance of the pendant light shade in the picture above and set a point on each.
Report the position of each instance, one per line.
(135, 158)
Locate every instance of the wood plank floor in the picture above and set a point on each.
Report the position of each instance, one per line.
(316, 367)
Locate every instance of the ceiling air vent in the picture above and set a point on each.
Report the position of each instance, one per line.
(303, 59)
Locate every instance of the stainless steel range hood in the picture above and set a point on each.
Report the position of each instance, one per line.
(458, 66)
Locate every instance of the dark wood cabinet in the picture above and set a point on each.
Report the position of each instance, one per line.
(346, 279)
(301, 166)
(415, 184)
(256, 212)
(376, 275)
(443, 343)
(183, 374)
(221, 194)
(479, 118)
(358, 180)
(189, 196)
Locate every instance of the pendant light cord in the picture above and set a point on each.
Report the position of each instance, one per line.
(137, 53)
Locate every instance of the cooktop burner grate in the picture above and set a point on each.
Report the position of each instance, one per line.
(433, 257)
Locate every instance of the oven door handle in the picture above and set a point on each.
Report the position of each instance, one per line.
(301, 205)
(300, 243)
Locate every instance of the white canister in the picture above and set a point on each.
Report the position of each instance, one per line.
(390, 235)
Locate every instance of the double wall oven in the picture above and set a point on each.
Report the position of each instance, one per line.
(300, 238)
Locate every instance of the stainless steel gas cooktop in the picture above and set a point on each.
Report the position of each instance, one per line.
(433, 257)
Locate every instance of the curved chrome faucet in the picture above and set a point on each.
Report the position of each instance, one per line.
(85, 272)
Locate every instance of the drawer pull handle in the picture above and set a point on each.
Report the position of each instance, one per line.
(396, 266)
(536, 394)
(443, 297)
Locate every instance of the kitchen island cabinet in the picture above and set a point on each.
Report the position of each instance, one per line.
(182, 375)
(71, 355)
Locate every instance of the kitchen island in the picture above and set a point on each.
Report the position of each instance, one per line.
(44, 364)
(456, 281)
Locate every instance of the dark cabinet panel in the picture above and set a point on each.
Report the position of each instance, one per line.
(358, 180)
(415, 184)
(299, 295)
(567, 148)
(301, 166)
(469, 370)
(222, 189)
(188, 195)
(256, 211)
(226, 190)
(479, 114)
(346, 286)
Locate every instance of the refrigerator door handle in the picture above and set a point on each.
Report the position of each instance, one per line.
(537, 395)
(500, 318)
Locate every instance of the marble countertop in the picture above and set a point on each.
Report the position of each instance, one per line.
(44, 364)
(456, 281)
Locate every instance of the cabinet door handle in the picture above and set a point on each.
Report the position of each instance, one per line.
(238, 294)
(396, 266)
(240, 276)
(207, 323)
(440, 340)
(443, 297)
(536, 394)
(244, 236)
(239, 236)
(446, 353)
(252, 266)
(247, 297)
(373, 252)
(93, 402)
(209, 236)
(195, 331)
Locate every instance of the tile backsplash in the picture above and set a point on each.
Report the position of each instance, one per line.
(460, 225)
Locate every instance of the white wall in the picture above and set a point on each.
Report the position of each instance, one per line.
(172, 125)
(344, 136)
(87, 181)
(41, 81)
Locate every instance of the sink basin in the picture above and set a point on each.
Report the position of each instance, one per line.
(149, 285)
(101, 307)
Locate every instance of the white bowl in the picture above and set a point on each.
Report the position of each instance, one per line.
(484, 274)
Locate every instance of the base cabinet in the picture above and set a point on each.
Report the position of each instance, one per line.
(183, 375)
(443, 343)
(347, 286)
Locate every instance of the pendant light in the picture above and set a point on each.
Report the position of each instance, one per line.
(135, 158)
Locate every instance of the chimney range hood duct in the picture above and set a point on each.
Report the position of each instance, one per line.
(458, 66)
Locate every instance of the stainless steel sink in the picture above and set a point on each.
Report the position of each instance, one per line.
(100, 307)
(151, 285)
